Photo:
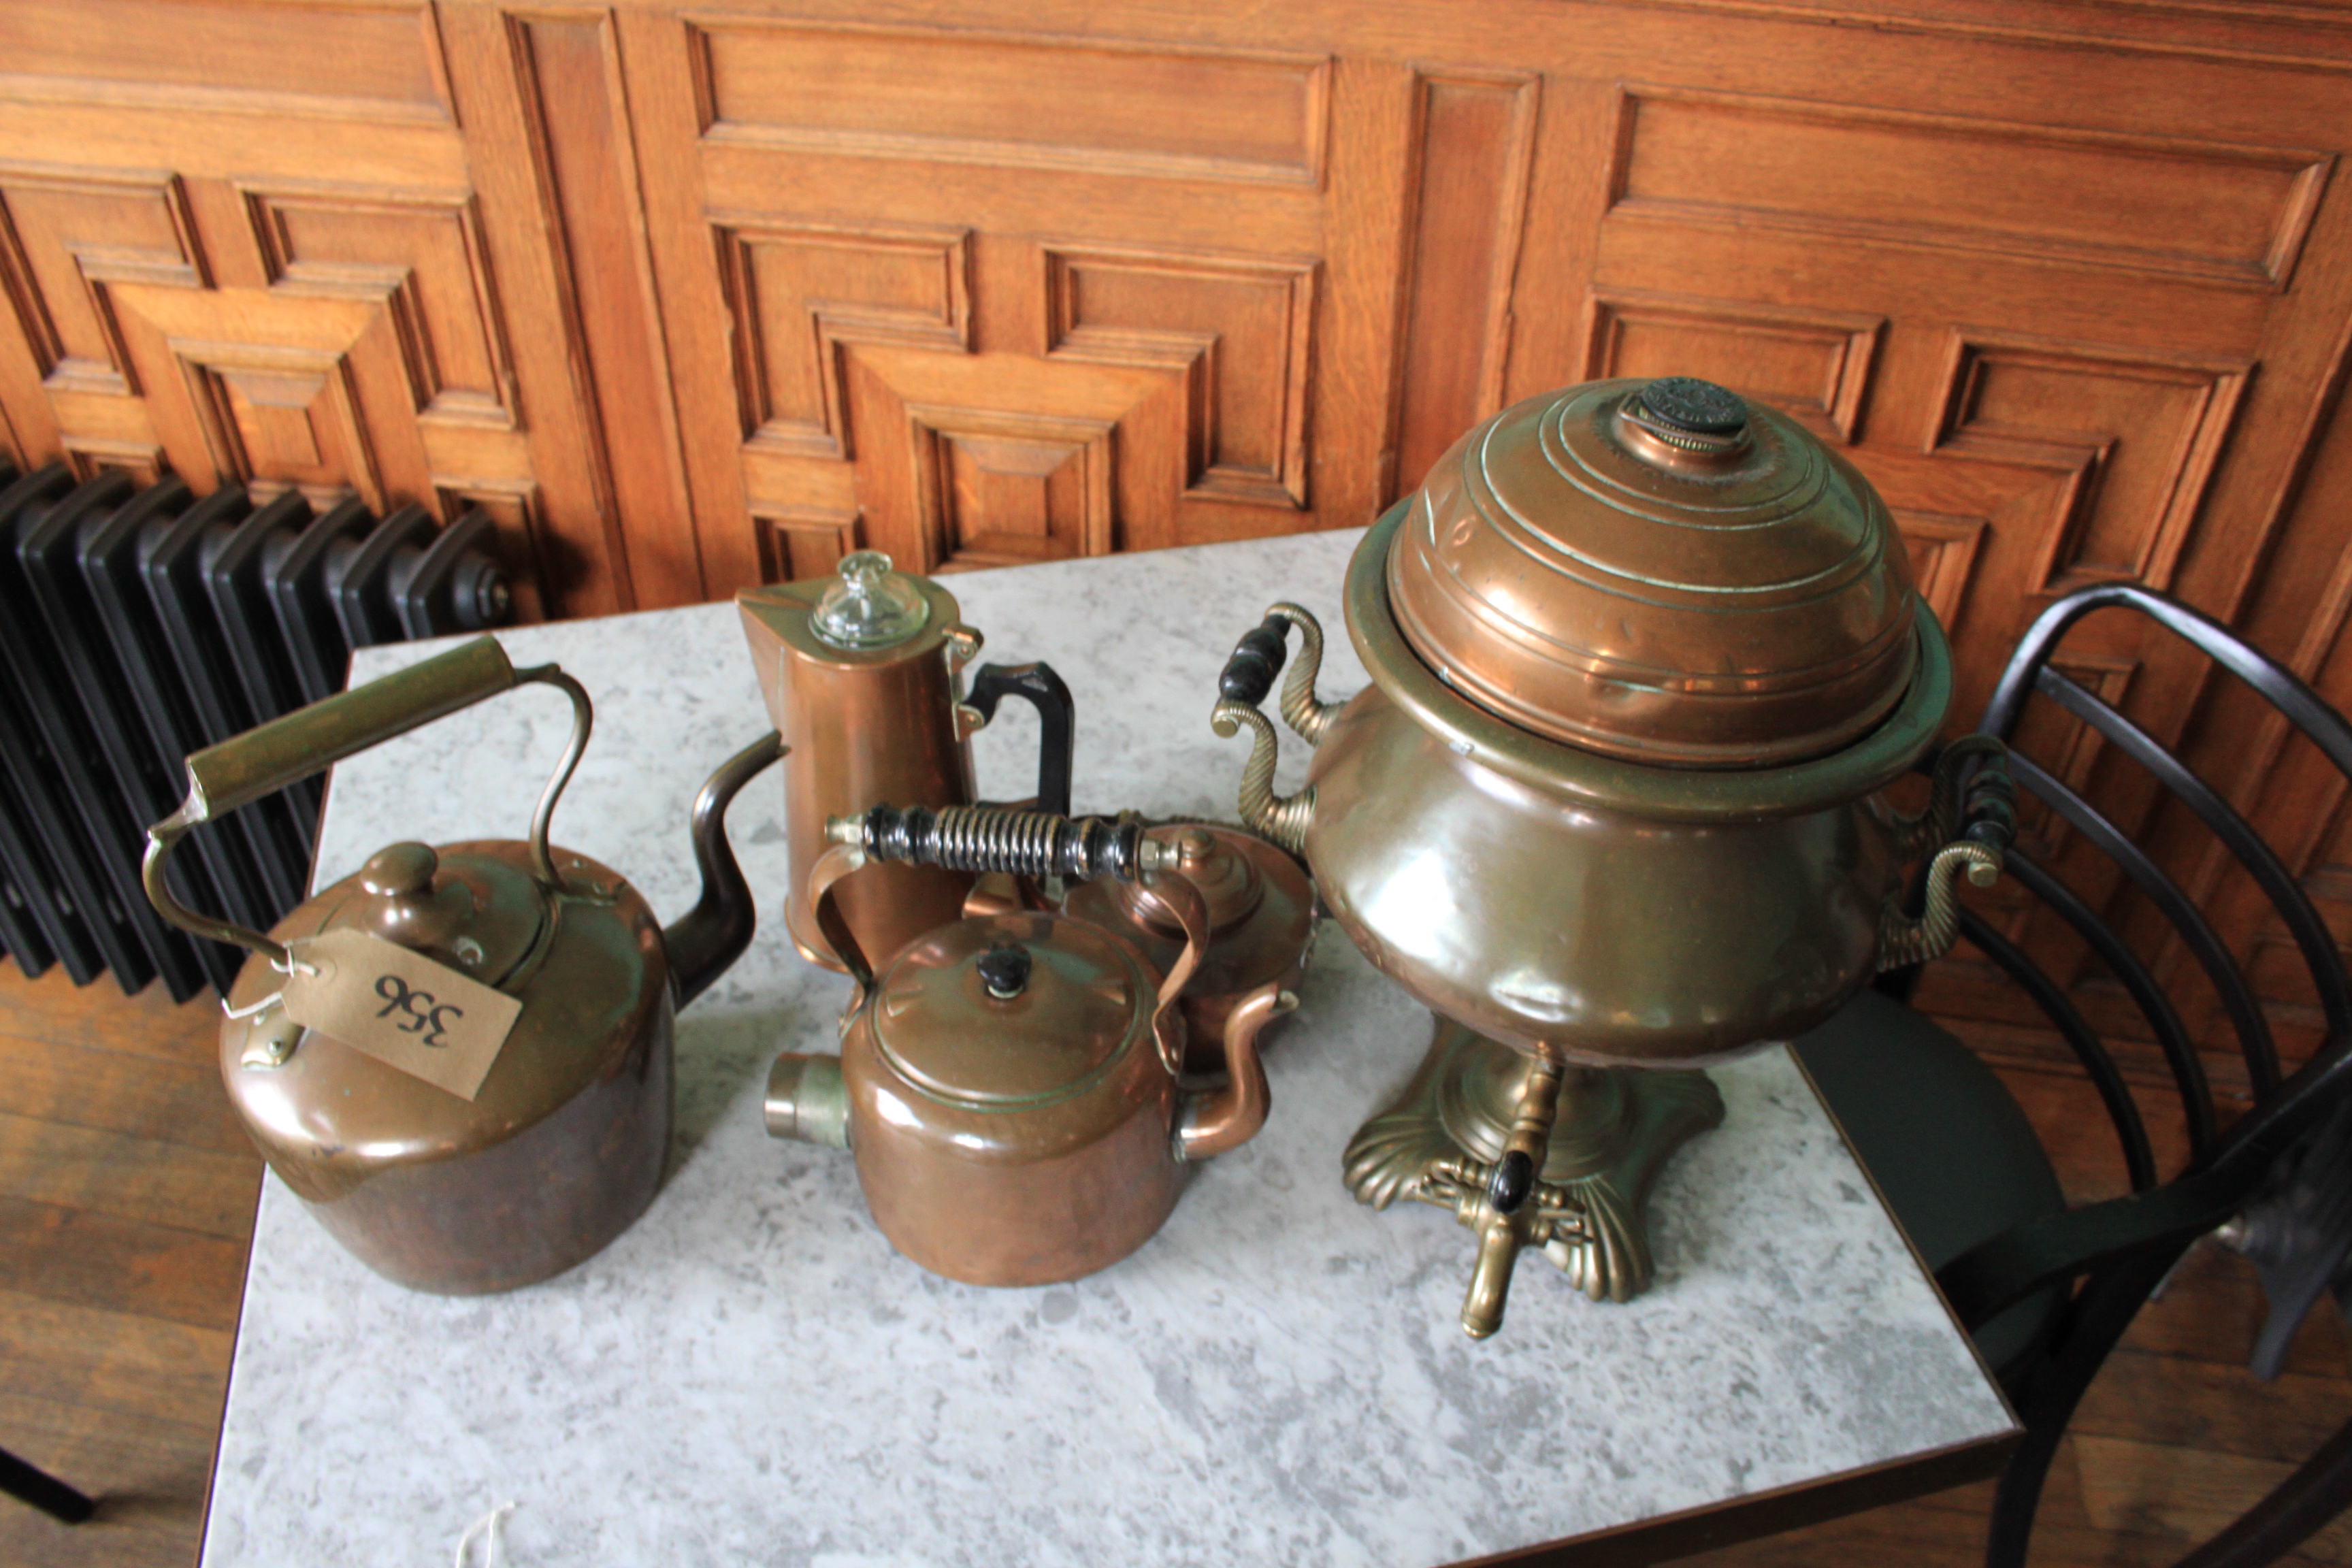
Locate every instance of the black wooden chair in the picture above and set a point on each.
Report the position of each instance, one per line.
(2047, 1290)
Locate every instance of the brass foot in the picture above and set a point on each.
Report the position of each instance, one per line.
(1440, 1141)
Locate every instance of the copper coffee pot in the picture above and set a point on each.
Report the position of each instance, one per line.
(1644, 659)
(561, 1143)
(863, 673)
(1008, 1082)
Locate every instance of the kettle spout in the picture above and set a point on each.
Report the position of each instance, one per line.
(1213, 1124)
(714, 933)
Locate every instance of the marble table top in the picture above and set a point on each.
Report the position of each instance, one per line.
(751, 1376)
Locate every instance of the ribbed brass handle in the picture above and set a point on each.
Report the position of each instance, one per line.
(243, 769)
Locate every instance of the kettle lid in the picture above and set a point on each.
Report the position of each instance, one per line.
(476, 908)
(1011, 1010)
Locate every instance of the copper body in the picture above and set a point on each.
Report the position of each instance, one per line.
(1261, 928)
(864, 725)
(1569, 904)
(559, 1151)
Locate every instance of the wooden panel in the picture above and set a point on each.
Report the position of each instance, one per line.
(69, 236)
(377, 60)
(1943, 551)
(803, 542)
(1005, 99)
(278, 392)
(2226, 213)
(423, 256)
(997, 489)
(2137, 436)
(1475, 146)
(1242, 334)
(797, 294)
(1811, 364)
(586, 168)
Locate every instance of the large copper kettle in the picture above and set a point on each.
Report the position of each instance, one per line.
(562, 1140)
(1645, 658)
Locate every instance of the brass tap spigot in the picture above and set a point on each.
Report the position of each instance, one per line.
(1513, 1211)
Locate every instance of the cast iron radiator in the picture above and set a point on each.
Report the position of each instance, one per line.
(138, 626)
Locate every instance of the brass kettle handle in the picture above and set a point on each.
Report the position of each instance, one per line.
(243, 768)
(1247, 677)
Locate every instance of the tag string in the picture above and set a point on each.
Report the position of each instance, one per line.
(293, 966)
(488, 1528)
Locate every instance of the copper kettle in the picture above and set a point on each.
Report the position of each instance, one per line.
(562, 1142)
(1008, 1082)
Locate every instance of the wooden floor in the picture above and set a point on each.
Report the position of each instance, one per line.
(126, 1203)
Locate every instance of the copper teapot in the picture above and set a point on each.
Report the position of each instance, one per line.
(563, 1138)
(1008, 1083)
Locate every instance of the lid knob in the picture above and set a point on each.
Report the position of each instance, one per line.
(407, 908)
(1691, 414)
(1004, 969)
(400, 871)
(871, 606)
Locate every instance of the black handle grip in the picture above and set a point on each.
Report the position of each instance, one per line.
(1037, 685)
(1989, 814)
(988, 838)
(1256, 659)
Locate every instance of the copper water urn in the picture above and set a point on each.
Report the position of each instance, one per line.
(1645, 658)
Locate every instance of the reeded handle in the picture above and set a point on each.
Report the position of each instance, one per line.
(244, 768)
(1982, 824)
(1246, 678)
(1037, 685)
(1026, 844)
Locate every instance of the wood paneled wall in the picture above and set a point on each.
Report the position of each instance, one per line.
(691, 299)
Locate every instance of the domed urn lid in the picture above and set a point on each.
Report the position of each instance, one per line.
(1662, 571)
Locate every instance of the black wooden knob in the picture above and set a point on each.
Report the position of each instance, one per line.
(1005, 971)
(1513, 1179)
(1256, 659)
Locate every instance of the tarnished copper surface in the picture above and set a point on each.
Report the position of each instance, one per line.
(564, 1141)
(562, 1148)
(1730, 596)
(1010, 1087)
(1557, 900)
(864, 724)
(1261, 923)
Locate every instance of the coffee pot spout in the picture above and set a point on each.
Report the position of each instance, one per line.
(713, 934)
(1227, 1117)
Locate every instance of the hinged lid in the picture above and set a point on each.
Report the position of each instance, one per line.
(480, 913)
(1662, 571)
(962, 1015)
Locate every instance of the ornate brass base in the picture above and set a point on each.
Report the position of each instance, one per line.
(1447, 1140)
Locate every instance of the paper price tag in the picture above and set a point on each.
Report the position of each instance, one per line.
(400, 1007)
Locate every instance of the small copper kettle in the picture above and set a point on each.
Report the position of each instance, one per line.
(863, 673)
(564, 1139)
(1261, 913)
(1008, 1083)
